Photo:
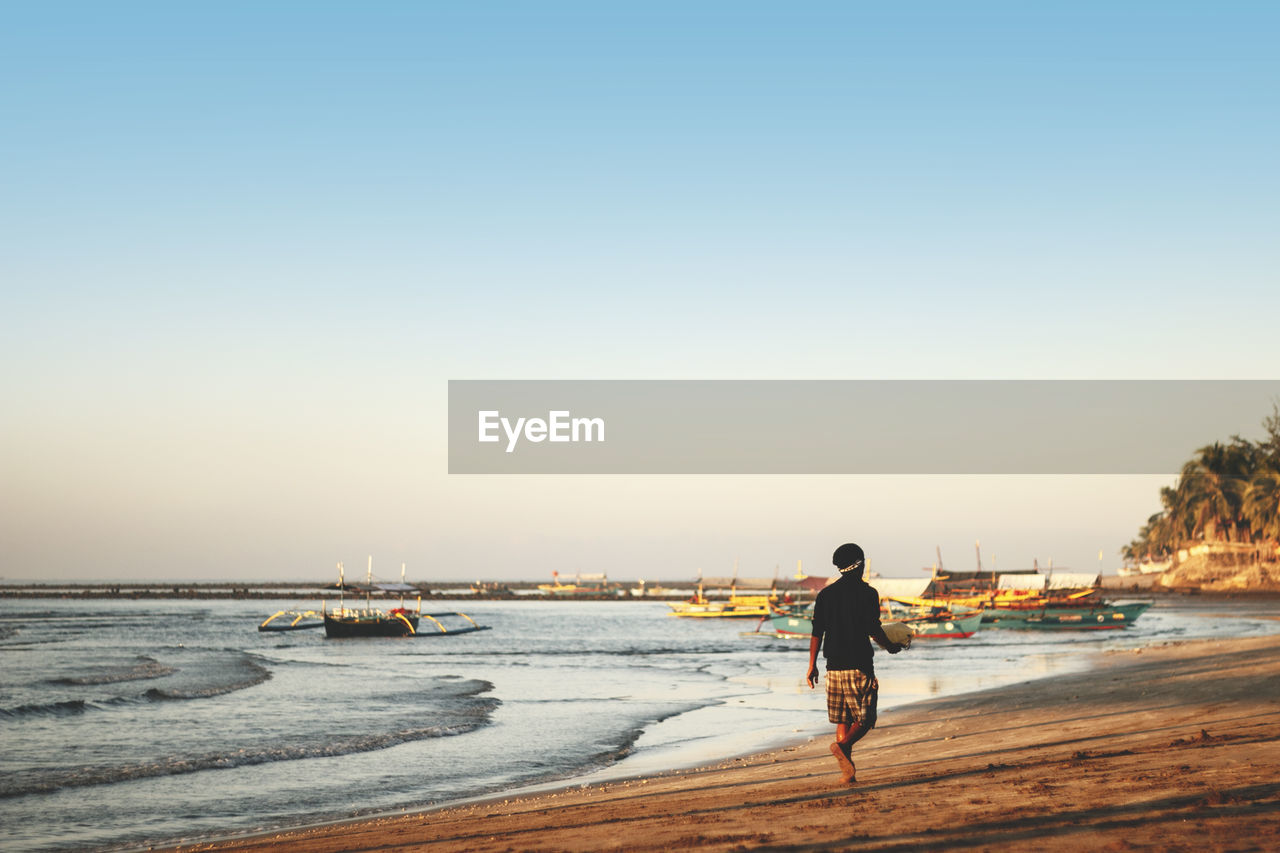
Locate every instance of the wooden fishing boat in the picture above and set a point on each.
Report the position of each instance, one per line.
(1018, 599)
(345, 622)
(1103, 617)
(738, 605)
(1021, 590)
(923, 623)
(582, 585)
(933, 622)
(398, 623)
(945, 627)
(734, 607)
(792, 622)
(1029, 600)
(368, 621)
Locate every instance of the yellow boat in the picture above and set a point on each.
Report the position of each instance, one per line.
(582, 585)
(1013, 599)
(735, 607)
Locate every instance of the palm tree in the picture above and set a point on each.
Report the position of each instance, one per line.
(1215, 484)
(1226, 491)
(1145, 545)
(1270, 446)
(1176, 524)
(1262, 502)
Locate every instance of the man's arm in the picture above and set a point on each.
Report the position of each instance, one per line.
(877, 630)
(812, 676)
(883, 640)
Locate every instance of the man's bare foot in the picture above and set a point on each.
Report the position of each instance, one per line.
(847, 771)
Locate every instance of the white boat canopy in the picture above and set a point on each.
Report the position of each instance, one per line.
(1057, 580)
(1073, 580)
(1026, 581)
(900, 587)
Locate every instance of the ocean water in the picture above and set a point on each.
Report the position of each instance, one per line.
(130, 723)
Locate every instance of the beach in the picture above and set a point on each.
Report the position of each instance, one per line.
(1171, 747)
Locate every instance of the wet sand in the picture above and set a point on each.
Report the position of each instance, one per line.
(1172, 748)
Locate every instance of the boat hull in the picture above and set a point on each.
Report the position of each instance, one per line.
(718, 611)
(370, 624)
(1112, 618)
(954, 628)
(737, 607)
(791, 627)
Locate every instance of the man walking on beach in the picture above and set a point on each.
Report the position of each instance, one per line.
(845, 615)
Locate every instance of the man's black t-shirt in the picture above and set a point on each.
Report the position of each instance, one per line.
(844, 616)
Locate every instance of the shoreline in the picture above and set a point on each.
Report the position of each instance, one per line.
(1173, 746)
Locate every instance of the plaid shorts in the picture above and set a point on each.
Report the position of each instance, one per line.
(851, 697)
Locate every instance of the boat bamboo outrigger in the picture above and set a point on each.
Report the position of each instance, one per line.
(298, 620)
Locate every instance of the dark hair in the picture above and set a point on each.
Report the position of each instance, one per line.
(847, 556)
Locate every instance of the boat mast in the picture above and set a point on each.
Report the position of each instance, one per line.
(402, 586)
(368, 585)
(342, 587)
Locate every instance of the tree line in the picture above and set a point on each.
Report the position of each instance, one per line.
(1228, 492)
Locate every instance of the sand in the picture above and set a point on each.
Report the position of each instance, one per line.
(1171, 748)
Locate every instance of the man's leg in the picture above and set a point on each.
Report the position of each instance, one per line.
(846, 707)
(848, 735)
(841, 753)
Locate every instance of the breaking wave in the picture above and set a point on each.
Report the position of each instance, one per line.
(201, 680)
(145, 668)
(459, 721)
(246, 673)
(68, 708)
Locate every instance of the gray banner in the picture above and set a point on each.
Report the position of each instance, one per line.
(844, 426)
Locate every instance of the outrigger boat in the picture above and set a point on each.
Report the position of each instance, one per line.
(342, 622)
(791, 622)
(1031, 600)
(936, 622)
(737, 606)
(369, 621)
(927, 623)
(589, 585)
(1026, 599)
(1041, 614)
(1103, 617)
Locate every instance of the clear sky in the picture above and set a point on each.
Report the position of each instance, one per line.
(244, 245)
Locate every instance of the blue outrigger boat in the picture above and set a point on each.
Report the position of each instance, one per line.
(1104, 617)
